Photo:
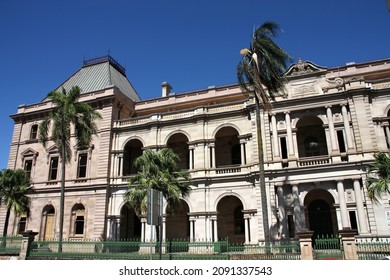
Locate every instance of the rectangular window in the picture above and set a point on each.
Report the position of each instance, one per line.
(28, 167)
(79, 225)
(53, 168)
(340, 139)
(353, 220)
(22, 225)
(34, 132)
(82, 166)
(283, 147)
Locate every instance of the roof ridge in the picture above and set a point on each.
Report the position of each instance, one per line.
(103, 59)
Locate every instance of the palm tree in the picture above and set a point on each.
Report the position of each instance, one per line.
(67, 112)
(379, 180)
(157, 170)
(261, 72)
(14, 190)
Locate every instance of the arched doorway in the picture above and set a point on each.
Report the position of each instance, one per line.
(48, 218)
(130, 224)
(320, 213)
(177, 222)
(230, 220)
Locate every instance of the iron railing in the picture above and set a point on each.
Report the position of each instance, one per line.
(174, 250)
(10, 244)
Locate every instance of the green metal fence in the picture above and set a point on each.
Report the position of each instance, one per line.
(288, 251)
(173, 250)
(10, 245)
(372, 248)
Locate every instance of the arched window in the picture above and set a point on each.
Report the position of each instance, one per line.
(131, 152)
(227, 147)
(78, 219)
(34, 132)
(311, 137)
(178, 142)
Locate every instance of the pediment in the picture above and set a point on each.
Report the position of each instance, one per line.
(51, 150)
(304, 68)
(29, 152)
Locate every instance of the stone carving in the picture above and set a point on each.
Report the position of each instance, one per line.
(337, 83)
(302, 68)
(304, 89)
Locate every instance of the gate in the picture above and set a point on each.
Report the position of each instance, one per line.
(327, 248)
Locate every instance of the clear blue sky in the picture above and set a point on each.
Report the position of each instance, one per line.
(190, 44)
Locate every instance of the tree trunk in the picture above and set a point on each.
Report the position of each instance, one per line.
(263, 189)
(7, 215)
(62, 199)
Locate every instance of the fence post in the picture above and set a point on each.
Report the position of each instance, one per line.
(305, 243)
(349, 245)
(28, 238)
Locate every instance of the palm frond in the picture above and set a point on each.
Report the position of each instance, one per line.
(261, 68)
(378, 181)
(158, 170)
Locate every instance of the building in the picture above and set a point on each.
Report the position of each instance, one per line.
(317, 142)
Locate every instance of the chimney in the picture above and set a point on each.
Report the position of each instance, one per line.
(166, 89)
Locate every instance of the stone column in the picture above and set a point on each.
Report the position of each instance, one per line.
(192, 227)
(305, 243)
(247, 228)
(360, 207)
(143, 229)
(243, 153)
(347, 128)
(332, 132)
(215, 226)
(112, 171)
(114, 165)
(342, 205)
(275, 140)
(191, 157)
(212, 154)
(120, 159)
(290, 142)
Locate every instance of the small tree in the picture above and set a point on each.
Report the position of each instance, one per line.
(14, 190)
(378, 180)
(157, 170)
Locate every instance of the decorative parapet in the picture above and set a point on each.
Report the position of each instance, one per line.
(379, 86)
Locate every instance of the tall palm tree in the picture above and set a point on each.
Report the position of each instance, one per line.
(157, 170)
(260, 71)
(68, 112)
(379, 178)
(14, 190)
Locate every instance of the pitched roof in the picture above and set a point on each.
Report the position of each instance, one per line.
(99, 74)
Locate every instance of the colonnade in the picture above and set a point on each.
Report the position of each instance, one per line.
(291, 137)
(341, 206)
